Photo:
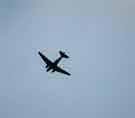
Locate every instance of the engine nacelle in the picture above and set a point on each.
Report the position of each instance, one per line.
(48, 69)
(46, 66)
(53, 70)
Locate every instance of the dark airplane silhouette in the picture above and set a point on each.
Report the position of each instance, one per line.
(54, 65)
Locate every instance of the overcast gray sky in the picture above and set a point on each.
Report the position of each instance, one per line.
(98, 35)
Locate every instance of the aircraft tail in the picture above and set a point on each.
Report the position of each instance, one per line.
(63, 54)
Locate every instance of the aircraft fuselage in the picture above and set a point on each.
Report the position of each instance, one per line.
(54, 65)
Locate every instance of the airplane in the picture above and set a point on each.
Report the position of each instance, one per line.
(54, 65)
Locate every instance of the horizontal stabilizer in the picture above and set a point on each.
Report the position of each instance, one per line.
(63, 54)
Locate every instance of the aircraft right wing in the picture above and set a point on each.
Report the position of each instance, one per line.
(58, 69)
(46, 60)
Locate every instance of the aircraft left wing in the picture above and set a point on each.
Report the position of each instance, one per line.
(46, 60)
(58, 69)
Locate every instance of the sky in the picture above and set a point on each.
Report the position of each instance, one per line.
(98, 35)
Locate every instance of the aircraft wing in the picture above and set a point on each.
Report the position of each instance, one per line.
(46, 60)
(58, 69)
